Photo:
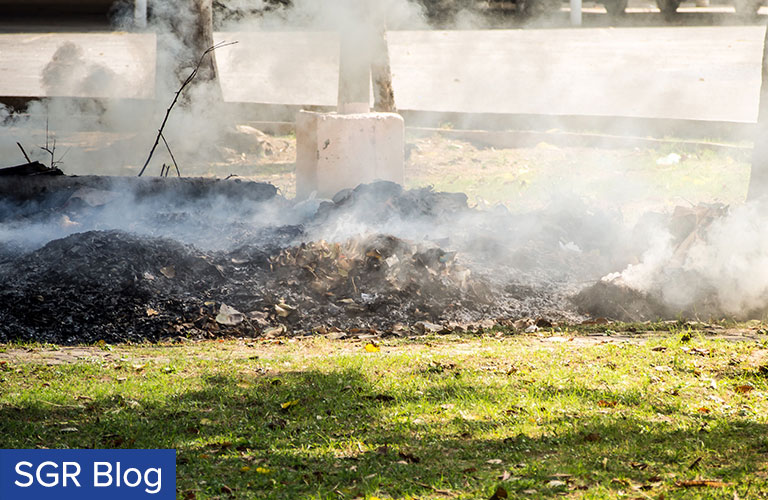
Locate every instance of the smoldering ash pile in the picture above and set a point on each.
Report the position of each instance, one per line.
(85, 259)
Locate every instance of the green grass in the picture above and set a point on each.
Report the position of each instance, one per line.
(448, 417)
(529, 177)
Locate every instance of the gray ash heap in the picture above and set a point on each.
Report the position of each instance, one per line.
(115, 260)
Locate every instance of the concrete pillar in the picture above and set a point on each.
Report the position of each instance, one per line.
(336, 151)
(575, 12)
(354, 71)
(140, 13)
(342, 150)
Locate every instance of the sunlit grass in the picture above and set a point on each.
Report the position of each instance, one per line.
(430, 418)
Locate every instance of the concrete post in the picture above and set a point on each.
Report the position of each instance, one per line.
(140, 14)
(575, 12)
(354, 71)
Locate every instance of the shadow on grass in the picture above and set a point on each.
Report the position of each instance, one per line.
(315, 434)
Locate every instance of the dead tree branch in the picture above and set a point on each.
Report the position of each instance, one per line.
(23, 152)
(178, 174)
(176, 98)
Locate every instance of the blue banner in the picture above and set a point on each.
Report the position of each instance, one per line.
(87, 474)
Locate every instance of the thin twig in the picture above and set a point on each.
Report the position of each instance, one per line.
(23, 152)
(176, 98)
(178, 174)
(51, 151)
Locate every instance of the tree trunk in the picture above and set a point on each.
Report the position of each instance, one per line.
(200, 38)
(758, 181)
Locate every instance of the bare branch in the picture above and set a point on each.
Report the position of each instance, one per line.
(176, 98)
(178, 174)
(23, 152)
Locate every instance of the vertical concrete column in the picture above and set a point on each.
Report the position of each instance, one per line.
(575, 12)
(355, 69)
(140, 13)
(336, 151)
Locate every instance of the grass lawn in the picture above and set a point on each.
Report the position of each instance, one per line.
(470, 416)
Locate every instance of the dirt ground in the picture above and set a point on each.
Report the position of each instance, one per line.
(320, 346)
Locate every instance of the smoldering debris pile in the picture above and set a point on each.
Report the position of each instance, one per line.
(90, 259)
(131, 264)
(705, 262)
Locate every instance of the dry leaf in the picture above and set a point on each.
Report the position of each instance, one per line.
(288, 404)
(606, 404)
(168, 271)
(152, 312)
(499, 493)
(744, 389)
(371, 347)
(697, 483)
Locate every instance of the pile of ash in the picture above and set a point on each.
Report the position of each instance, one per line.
(130, 264)
(116, 287)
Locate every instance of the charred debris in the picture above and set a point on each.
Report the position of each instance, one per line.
(84, 259)
(116, 259)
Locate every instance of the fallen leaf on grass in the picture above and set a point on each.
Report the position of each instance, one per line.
(499, 493)
(371, 347)
(493, 461)
(244, 468)
(606, 404)
(592, 437)
(288, 404)
(556, 483)
(744, 389)
(263, 470)
(226, 489)
(152, 312)
(697, 483)
(659, 348)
